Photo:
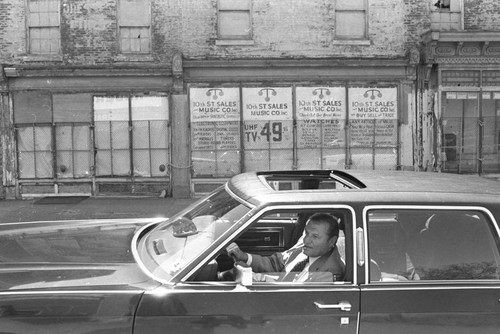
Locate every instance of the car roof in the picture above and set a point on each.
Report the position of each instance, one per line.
(364, 186)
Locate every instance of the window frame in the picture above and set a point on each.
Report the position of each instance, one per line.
(30, 25)
(125, 26)
(73, 152)
(130, 147)
(34, 151)
(350, 244)
(224, 7)
(493, 225)
(365, 12)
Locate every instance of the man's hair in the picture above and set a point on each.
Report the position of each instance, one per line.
(333, 225)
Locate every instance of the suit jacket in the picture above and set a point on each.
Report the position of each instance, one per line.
(328, 267)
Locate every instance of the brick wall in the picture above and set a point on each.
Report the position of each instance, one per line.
(481, 14)
(12, 30)
(416, 20)
(304, 28)
(88, 31)
(282, 28)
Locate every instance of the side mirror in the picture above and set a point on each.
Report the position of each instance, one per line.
(183, 227)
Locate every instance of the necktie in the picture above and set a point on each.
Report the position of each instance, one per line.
(299, 266)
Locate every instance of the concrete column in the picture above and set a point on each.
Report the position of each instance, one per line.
(181, 164)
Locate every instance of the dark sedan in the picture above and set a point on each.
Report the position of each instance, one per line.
(421, 253)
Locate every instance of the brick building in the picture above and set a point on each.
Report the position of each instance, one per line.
(151, 96)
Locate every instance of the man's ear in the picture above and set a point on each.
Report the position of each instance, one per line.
(333, 240)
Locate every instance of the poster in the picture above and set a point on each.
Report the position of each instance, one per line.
(373, 116)
(321, 113)
(215, 118)
(267, 118)
(215, 135)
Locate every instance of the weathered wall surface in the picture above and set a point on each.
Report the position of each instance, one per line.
(481, 15)
(282, 29)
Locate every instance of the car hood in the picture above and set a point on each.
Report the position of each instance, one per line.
(69, 255)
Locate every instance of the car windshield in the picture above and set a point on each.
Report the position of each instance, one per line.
(172, 245)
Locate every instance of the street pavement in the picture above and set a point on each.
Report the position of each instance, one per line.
(89, 208)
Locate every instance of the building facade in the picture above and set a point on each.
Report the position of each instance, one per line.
(173, 97)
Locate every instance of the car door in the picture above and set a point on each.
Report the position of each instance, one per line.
(433, 270)
(230, 308)
(257, 307)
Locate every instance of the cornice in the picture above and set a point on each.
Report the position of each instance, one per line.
(84, 71)
(461, 47)
(298, 62)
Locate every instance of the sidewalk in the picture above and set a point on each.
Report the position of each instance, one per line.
(89, 208)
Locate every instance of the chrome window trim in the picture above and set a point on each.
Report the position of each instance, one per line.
(449, 285)
(287, 207)
(422, 207)
(188, 288)
(72, 292)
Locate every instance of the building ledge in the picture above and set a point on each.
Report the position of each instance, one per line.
(43, 58)
(234, 42)
(461, 36)
(87, 71)
(466, 47)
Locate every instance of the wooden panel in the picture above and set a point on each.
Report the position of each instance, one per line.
(72, 107)
(135, 13)
(32, 107)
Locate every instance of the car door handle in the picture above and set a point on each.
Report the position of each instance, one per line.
(343, 306)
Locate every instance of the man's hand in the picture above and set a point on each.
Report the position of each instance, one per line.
(236, 253)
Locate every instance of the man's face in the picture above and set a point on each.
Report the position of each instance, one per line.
(316, 241)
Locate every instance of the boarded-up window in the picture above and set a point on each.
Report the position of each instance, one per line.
(150, 142)
(112, 136)
(234, 19)
(34, 144)
(32, 107)
(43, 27)
(74, 151)
(72, 118)
(72, 108)
(135, 26)
(142, 119)
(350, 19)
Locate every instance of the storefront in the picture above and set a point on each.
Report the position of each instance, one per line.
(467, 84)
(339, 123)
(90, 134)
(184, 130)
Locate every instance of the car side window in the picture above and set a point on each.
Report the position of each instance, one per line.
(286, 250)
(406, 245)
(329, 267)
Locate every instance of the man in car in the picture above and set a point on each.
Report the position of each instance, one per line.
(317, 259)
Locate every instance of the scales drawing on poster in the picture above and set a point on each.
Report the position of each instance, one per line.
(373, 103)
(321, 113)
(373, 116)
(215, 117)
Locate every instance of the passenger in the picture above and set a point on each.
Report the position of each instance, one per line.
(316, 260)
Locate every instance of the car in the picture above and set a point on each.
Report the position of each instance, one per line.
(421, 252)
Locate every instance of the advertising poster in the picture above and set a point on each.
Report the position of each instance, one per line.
(321, 114)
(267, 118)
(373, 116)
(215, 118)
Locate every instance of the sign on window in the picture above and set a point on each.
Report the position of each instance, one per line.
(215, 131)
(268, 127)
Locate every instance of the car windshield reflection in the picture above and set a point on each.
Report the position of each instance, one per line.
(171, 246)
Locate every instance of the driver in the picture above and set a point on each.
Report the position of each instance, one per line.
(317, 259)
